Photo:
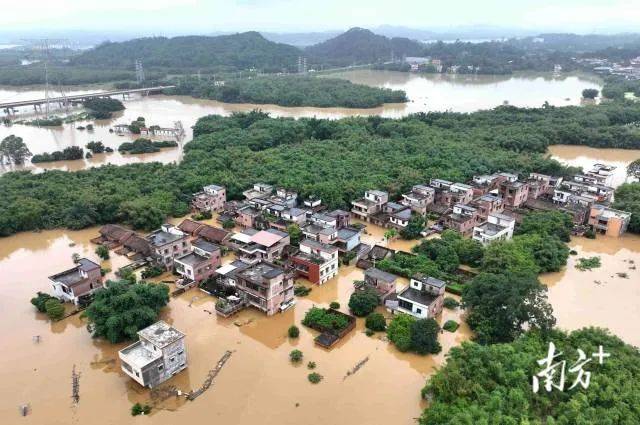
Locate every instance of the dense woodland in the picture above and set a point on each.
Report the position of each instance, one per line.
(290, 91)
(334, 159)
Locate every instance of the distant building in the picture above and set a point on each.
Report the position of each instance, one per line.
(423, 298)
(419, 198)
(82, 280)
(157, 356)
(211, 199)
(463, 219)
(498, 227)
(514, 193)
(608, 221)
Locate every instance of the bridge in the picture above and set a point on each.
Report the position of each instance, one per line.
(79, 98)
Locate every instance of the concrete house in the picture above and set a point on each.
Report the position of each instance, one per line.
(514, 193)
(316, 261)
(265, 286)
(365, 208)
(382, 282)
(82, 280)
(463, 219)
(419, 198)
(265, 245)
(211, 199)
(343, 218)
(498, 227)
(488, 204)
(608, 221)
(324, 234)
(201, 263)
(258, 190)
(168, 243)
(602, 173)
(348, 238)
(423, 298)
(158, 355)
(247, 216)
(448, 193)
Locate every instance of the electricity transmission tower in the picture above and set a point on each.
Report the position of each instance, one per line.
(139, 71)
(44, 46)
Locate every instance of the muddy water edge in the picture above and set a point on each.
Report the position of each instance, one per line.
(258, 384)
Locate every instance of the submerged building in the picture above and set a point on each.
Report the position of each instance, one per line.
(157, 356)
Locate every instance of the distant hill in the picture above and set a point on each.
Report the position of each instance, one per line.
(299, 39)
(225, 52)
(360, 46)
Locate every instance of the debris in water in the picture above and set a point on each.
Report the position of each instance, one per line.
(25, 409)
(239, 323)
(72, 244)
(193, 299)
(36, 339)
(210, 377)
(623, 275)
(356, 367)
(75, 382)
(597, 282)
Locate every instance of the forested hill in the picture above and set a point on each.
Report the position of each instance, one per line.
(226, 52)
(361, 46)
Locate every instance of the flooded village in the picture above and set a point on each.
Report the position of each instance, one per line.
(245, 255)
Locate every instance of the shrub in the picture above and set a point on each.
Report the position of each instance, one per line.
(375, 322)
(573, 252)
(301, 291)
(39, 300)
(325, 319)
(588, 263)
(399, 331)
(295, 356)
(102, 252)
(293, 331)
(424, 336)
(450, 325)
(363, 302)
(314, 377)
(228, 224)
(140, 409)
(369, 332)
(335, 305)
(450, 303)
(151, 271)
(590, 234)
(311, 365)
(54, 309)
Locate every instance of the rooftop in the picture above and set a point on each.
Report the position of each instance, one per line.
(268, 237)
(204, 245)
(73, 276)
(138, 356)
(416, 296)
(318, 245)
(430, 281)
(161, 334)
(261, 271)
(347, 233)
(380, 275)
(490, 229)
(192, 259)
(161, 237)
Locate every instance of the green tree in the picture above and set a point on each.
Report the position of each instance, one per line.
(590, 93)
(295, 356)
(13, 149)
(549, 253)
(554, 223)
(142, 214)
(102, 252)
(501, 306)
(39, 301)
(424, 336)
(399, 331)
(627, 198)
(121, 309)
(54, 309)
(414, 228)
(293, 331)
(507, 257)
(390, 234)
(363, 302)
(294, 233)
(376, 322)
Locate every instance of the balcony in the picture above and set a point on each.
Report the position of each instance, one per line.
(229, 306)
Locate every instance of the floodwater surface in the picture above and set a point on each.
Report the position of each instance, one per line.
(426, 92)
(257, 385)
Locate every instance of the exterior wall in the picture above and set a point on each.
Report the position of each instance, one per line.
(175, 359)
(245, 220)
(382, 287)
(209, 202)
(166, 253)
(201, 271)
(311, 270)
(89, 285)
(514, 196)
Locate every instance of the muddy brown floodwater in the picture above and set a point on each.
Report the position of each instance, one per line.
(258, 384)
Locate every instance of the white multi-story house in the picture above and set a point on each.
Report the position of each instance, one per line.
(157, 356)
(423, 298)
(316, 261)
(498, 227)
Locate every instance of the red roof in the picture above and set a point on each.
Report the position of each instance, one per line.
(212, 234)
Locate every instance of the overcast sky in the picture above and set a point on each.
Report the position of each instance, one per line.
(202, 16)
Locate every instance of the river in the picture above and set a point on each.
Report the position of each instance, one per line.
(258, 385)
(425, 92)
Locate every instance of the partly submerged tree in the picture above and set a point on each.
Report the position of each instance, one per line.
(14, 150)
(121, 309)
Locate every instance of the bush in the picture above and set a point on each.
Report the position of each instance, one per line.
(301, 291)
(375, 322)
(54, 309)
(588, 263)
(450, 325)
(151, 271)
(39, 300)
(335, 305)
(314, 378)
(311, 365)
(369, 332)
(450, 303)
(325, 319)
(295, 356)
(399, 331)
(590, 234)
(293, 331)
(424, 336)
(363, 302)
(228, 224)
(95, 147)
(573, 252)
(102, 252)
(140, 409)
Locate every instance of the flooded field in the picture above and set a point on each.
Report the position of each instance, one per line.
(258, 384)
(608, 296)
(586, 157)
(426, 92)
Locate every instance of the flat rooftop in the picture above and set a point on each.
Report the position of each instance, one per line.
(192, 259)
(416, 296)
(137, 356)
(160, 237)
(161, 334)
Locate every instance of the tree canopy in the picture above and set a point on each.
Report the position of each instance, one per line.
(14, 150)
(121, 309)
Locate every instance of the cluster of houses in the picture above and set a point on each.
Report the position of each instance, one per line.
(267, 263)
(628, 69)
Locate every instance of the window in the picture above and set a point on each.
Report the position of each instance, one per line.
(181, 352)
(173, 359)
(419, 310)
(160, 367)
(137, 374)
